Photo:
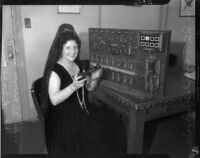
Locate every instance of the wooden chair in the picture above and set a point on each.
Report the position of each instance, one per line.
(36, 94)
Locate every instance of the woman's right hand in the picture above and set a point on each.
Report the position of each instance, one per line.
(78, 83)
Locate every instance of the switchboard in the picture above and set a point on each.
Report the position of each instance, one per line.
(134, 61)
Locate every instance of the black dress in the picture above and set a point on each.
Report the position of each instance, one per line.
(72, 132)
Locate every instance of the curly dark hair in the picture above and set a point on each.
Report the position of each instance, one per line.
(65, 33)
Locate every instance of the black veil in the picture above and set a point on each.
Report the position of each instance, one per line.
(64, 33)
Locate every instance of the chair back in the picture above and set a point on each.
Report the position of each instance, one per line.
(36, 95)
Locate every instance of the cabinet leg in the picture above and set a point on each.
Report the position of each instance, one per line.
(135, 132)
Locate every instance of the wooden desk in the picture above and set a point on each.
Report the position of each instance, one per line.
(179, 97)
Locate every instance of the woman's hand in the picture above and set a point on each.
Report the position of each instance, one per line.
(78, 83)
(92, 81)
(58, 95)
(96, 74)
(91, 84)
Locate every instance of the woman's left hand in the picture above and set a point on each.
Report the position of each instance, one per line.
(92, 81)
(96, 74)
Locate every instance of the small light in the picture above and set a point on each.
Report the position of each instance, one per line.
(156, 44)
(142, 37)
(147, 38)
(157, 39)
(142, 43)
(146, 44)
(151, 38)
(151, 44)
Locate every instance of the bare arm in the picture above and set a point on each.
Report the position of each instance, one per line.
(58, 96)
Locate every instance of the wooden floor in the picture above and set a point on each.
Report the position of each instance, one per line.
(171, 138)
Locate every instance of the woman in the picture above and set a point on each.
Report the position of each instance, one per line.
(73, 127)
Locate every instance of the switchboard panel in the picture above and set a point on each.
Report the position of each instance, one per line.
(134, 61)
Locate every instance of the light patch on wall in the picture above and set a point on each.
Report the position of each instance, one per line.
(71, 9)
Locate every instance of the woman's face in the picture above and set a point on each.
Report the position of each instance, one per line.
(70, 50)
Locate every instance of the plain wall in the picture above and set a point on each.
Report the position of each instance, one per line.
(131, 17)
(45, 21)
(178, 24)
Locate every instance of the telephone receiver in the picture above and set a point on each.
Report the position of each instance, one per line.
(88, 72)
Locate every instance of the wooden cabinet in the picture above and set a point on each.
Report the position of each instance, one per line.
(179, 98)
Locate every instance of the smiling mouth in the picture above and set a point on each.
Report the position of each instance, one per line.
(72, 55)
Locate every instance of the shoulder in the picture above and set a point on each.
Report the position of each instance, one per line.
(54, 79)
(59, 69)
(54, 76)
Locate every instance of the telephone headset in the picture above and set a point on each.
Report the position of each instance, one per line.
(88, 72)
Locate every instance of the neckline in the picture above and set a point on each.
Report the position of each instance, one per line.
(81, 103)
(66, 68)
